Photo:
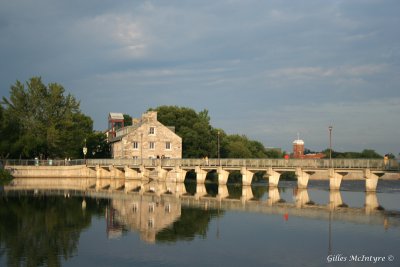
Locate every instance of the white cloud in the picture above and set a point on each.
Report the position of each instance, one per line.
(320, 72)
(119, 32)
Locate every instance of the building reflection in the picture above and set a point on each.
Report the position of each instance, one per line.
(146, 215)
(149, 208)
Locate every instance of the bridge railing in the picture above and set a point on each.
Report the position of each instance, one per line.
(47, 162)
(285, 163)
(376, 164)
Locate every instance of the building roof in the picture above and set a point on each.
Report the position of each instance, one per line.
(116, 116)
(298, 142)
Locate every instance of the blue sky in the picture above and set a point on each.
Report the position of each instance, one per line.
(267, 69)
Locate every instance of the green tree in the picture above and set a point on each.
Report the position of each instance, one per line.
(97, 145)
(199, 139)
(9, 131)
(48, 122)
(365, 154)
(127, 120)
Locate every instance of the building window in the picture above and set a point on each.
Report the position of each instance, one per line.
(167, 208)
(135, 207)
(152, 145)
(168, 145)
(135, 145)
(150, 223)
(151, 207)
(152, 130)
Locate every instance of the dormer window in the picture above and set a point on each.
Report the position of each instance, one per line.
(152, 130)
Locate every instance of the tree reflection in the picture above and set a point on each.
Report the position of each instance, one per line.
(38, 231)
(193, 222)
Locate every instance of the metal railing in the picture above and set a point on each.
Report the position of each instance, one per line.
(376, 164)
(48, 162)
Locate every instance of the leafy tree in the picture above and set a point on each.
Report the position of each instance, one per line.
(365, 154)
(193, 222)
(48, 122)
(199, 139)
(127, 120)
(9, 131)
(97, 145)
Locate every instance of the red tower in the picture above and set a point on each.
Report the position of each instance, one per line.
(298, 149)
(115, 122)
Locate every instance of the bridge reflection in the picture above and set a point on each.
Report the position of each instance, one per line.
(150, 208)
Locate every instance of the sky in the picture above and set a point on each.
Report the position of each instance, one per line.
(267, 69)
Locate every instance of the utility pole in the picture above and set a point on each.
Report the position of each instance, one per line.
(330, 146)
(219, 156)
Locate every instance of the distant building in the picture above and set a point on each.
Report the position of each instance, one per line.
(298, 151)
(146, 138)
(115, 122)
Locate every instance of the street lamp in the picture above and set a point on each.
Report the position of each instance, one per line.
(84, 150)
(141, 148)
(330, 146)
(219, 156)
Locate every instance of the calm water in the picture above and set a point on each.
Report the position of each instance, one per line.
(255, 226)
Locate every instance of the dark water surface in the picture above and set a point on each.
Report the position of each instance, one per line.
(260, 227)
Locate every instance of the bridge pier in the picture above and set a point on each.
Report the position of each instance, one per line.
(371, 202)
(371, 180)
(161, 174)
(200, 190)
(131, 184)
(131, 173)
(335, 179)
(180, 189)
(335, 199)
(247, 193)
(247, 176)
(144, 173)
(200, 175)
(273, 195)
(177, 175)
(302, 178)
(302, 197)
(103, 177)
(222, 191)
(222, 176)
(273, 177)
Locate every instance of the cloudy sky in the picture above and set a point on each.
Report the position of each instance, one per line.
(267, 69)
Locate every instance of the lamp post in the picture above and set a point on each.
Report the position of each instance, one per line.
(84, 150)
(219, 156)
(141, 148)
(330, 146)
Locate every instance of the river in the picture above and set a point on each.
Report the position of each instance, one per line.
(245, 226)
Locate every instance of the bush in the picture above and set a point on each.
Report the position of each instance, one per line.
(5, 176)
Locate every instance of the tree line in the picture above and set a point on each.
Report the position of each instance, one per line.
(43, 121)
(39, 120)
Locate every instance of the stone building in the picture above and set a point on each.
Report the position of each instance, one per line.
(146, 138)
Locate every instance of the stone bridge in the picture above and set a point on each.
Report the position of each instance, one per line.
(117, 173)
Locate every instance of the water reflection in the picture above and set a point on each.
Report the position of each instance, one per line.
(147, 216)
(38, 227)
(38, 230)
